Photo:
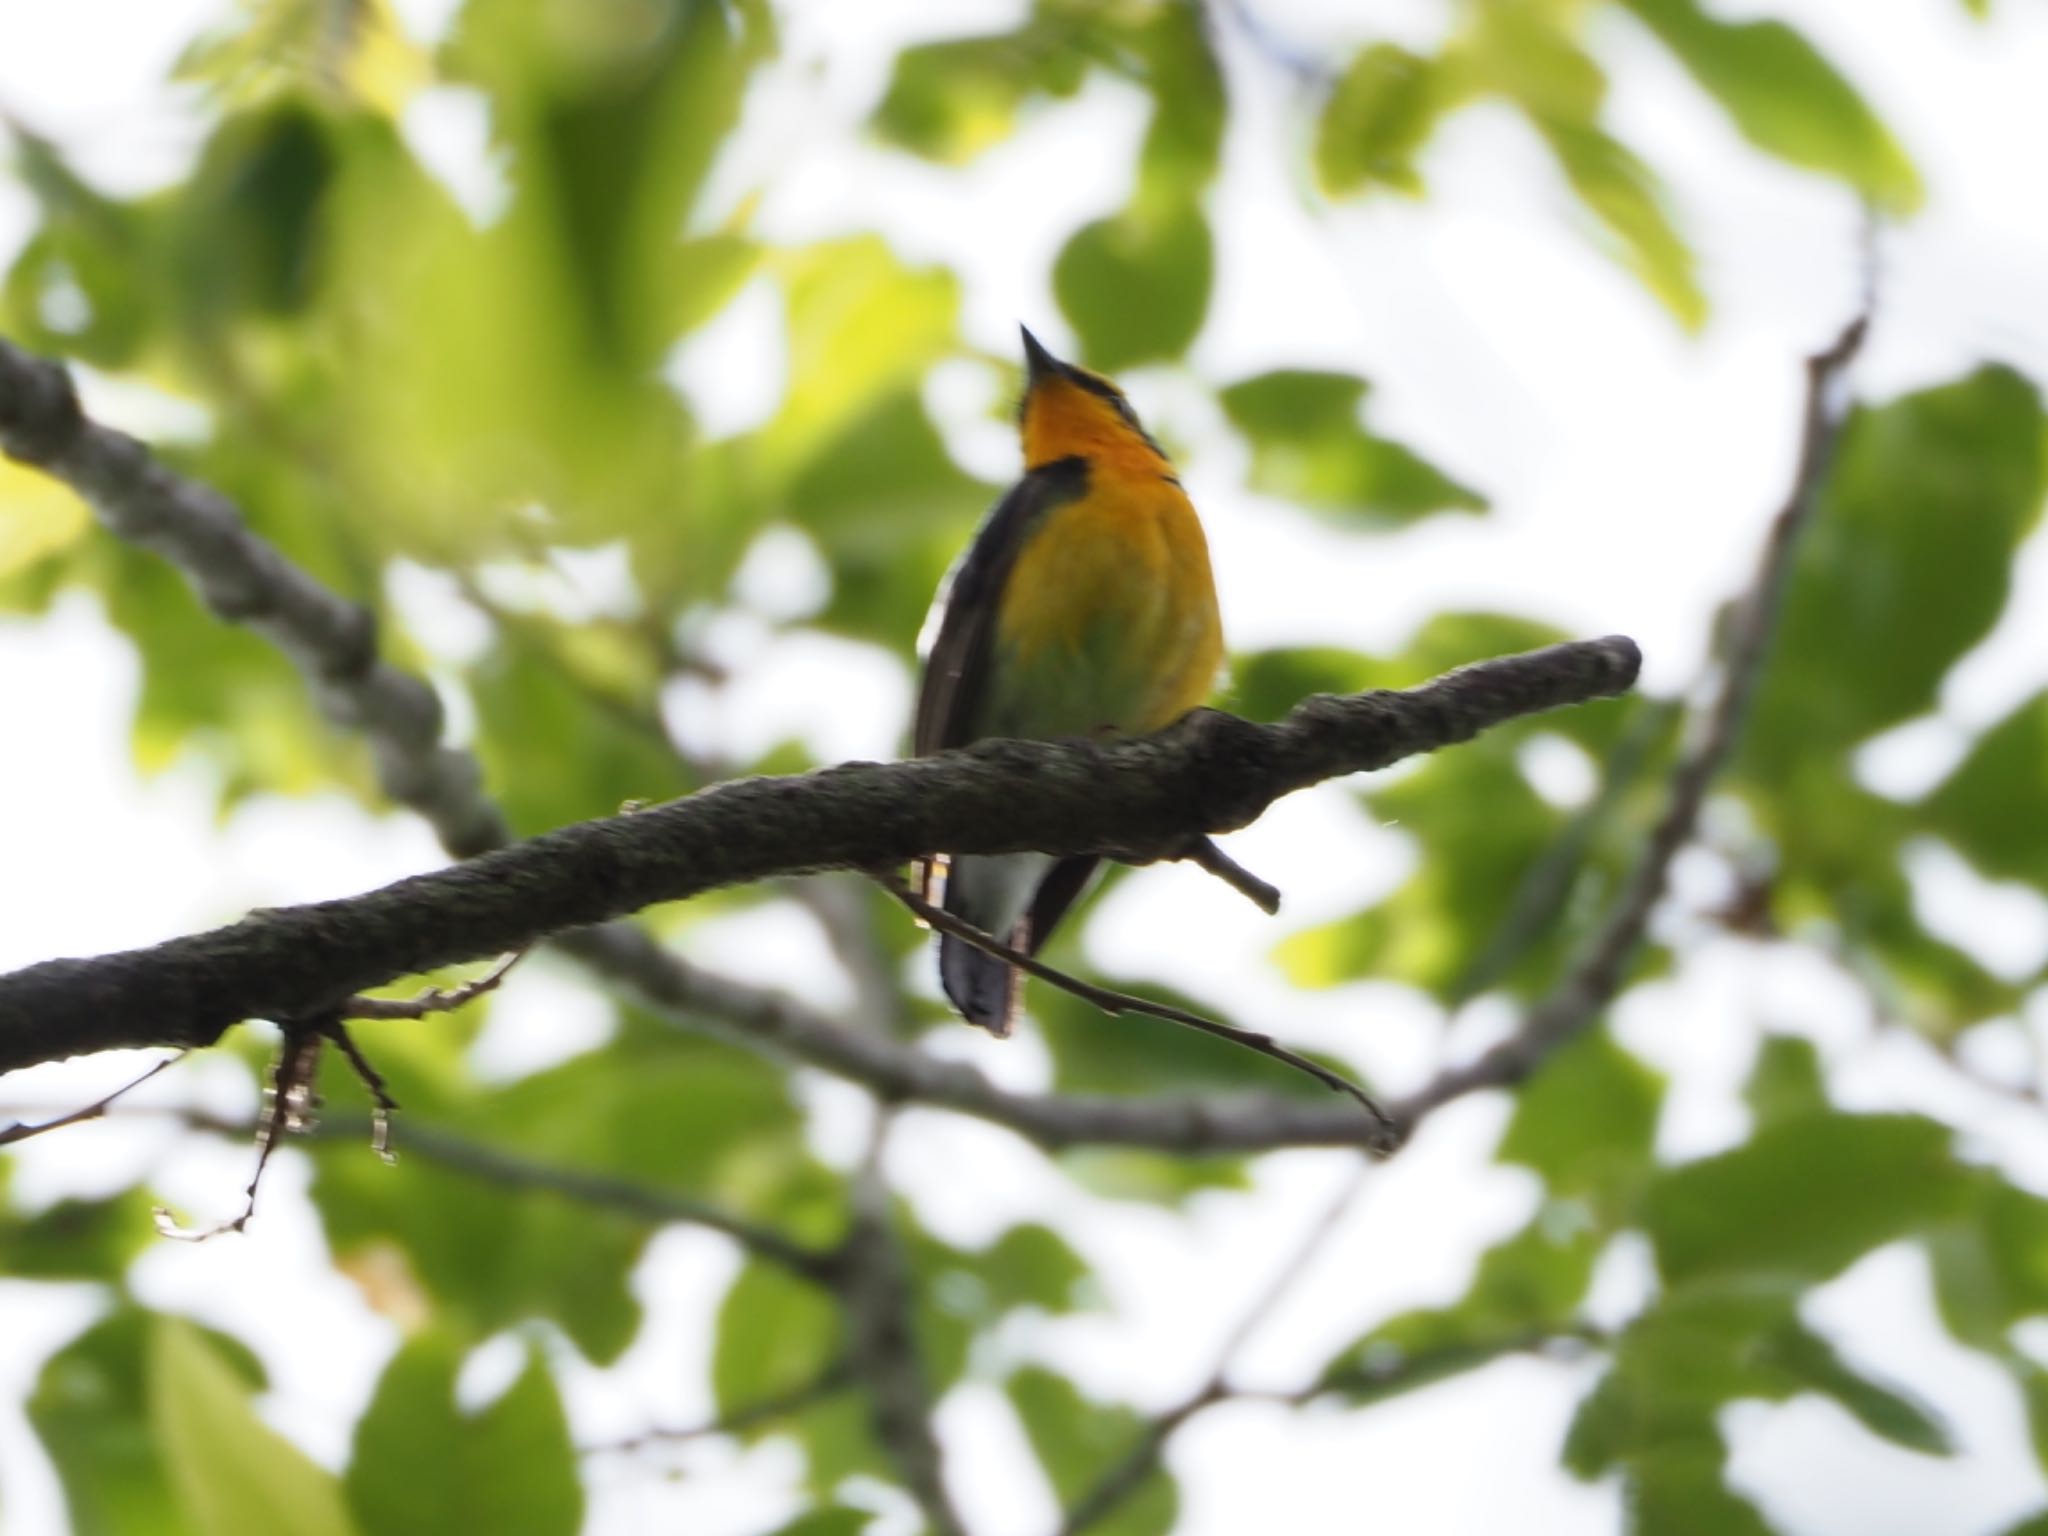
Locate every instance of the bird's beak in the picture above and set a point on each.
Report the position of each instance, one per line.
(1039, 361)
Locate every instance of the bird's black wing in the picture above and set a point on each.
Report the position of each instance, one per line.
(963, 619)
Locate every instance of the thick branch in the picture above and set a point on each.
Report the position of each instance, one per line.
(1146, 797)
(248, 582)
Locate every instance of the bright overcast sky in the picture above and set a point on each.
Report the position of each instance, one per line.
(1631, 469)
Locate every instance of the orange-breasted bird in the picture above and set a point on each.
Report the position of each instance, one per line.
(1085, 607)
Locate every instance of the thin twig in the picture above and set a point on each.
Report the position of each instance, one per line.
(1596, 975)
(509, 1170)
(1204, 853)
(1115, 1003)
(22, 1131)
(835, 1378)
(434, 999)
(1128, 1474)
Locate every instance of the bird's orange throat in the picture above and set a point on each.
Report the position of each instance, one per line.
(1063, 421)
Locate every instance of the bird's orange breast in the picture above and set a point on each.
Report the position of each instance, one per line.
(1108, 621)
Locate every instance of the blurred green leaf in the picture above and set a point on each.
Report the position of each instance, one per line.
(423, 1466)
(1920, 514)
(1626, 196)
(232, 1473)
(528, 689)
(1992, 1272)
(951, 100)
(1787, 99)
(1677, 1490)
(702, 1119)
(1787, 1082)
(776, 1334)
(1889, 1412)
(1480, 825)
(278, 47)
(1382, 112)
(1308, 445)
(1079, 1441)
(1524, 1290)
(1135, 286)
(1587, 1122)
(962, 1294)
(1988, 806)
(244, 234)
(1803, 1199)
(90, 1411)
(77, 1239)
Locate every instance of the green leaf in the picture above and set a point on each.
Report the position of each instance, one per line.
(961, 1295)
(1626, 196)
(89, 1410)
(1382, 112)
(1992, 1272)
(422, 1466)
(246, 232)
(1309, 446)
(1926, 501)
(1678, 1490)
(1988, 807)
(949, 101)
(232, 1473)
(1893, 1413)
(1135, 286)
(1078, 1441)
(776, 1333)
(77, 1239)
(1525, 1289)
(1587, 1122)
(1787, 99)
(1787, 1082)
(1803, 1199)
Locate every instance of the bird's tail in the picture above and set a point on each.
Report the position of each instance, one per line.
(982, 987)
(995, 895)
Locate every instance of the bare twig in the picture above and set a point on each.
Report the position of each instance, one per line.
(834, 1379)
(769, 1021)
(1596, 974)
(1114, 1003)
(1128, 1474)
(509, 1170)
(23, 1131)
(1205, 853)
(433, 999)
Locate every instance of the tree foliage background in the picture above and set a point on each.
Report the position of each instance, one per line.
(498, 321)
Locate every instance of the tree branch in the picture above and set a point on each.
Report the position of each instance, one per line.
(509, 1170)
(1594, 978)
(1144, 797)
(881, 1343)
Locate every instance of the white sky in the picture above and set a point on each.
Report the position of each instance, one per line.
(1631, 469)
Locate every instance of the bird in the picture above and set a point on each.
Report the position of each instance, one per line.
(1085, 607)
